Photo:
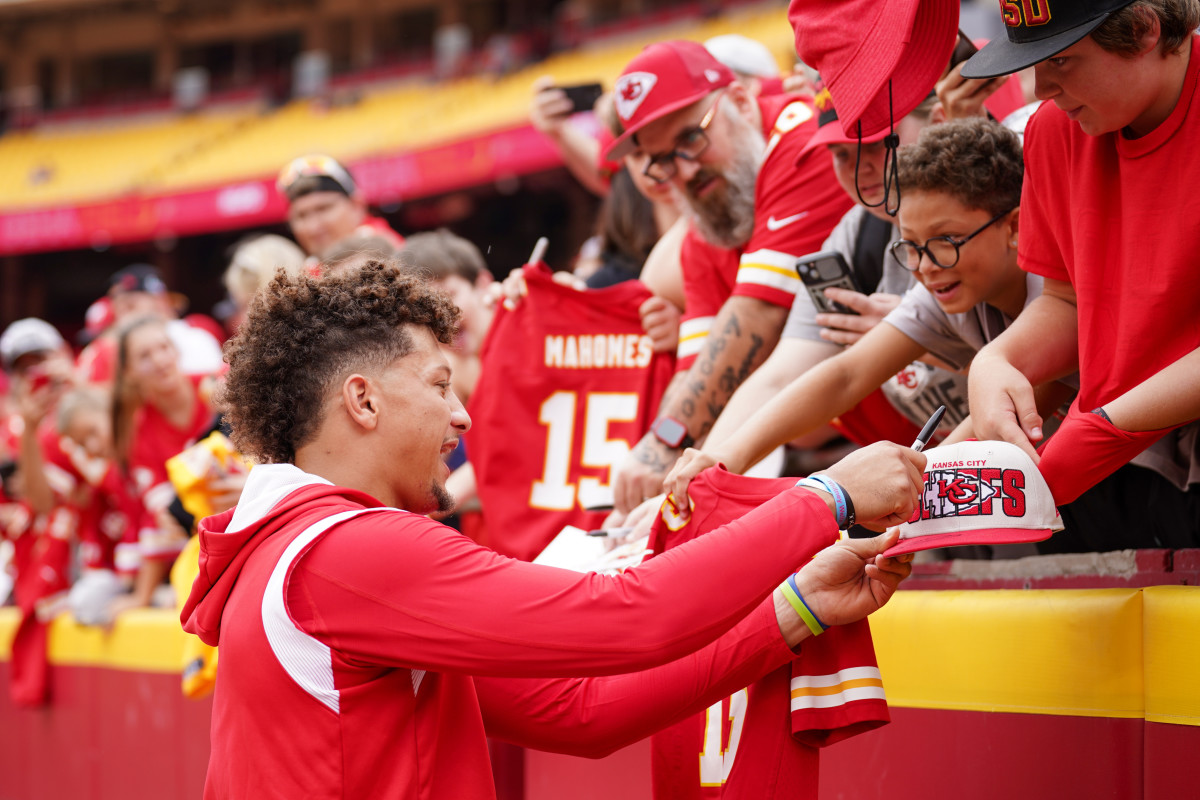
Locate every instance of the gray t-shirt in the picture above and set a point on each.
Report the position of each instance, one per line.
(954, 338)
(918, 389)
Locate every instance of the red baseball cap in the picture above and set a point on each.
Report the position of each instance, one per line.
(663, 78)
(879, 58)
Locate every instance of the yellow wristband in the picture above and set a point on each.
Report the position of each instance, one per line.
(801, 609)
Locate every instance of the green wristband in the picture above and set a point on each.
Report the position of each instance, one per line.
(801, 609)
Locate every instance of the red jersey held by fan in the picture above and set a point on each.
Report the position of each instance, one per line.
(568, 384)
(739, 747)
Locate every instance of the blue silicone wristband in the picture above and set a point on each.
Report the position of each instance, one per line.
(841, 501)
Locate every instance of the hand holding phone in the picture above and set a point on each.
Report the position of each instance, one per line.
(820, 271)
(964, 48)
(583, 96)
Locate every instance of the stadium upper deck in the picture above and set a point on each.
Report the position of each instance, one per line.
(51, 170)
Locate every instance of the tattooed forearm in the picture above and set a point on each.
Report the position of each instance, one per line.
(734, 349)
(752, 358)
(654, 455)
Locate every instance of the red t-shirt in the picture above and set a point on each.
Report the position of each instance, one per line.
(795, 208)
(1094, 213)
(1093, 210)
(154, 441)
(738, 748)
(568, 384)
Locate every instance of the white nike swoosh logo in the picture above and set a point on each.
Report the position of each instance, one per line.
(775, 224)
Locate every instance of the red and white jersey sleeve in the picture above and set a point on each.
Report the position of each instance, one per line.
(709, 274)
(831, 691)
(569, 383)
(797, 202)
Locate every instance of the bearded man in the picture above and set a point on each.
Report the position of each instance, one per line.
(758, 203)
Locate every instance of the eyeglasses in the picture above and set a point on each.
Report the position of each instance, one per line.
(942, 250)
(689, 146)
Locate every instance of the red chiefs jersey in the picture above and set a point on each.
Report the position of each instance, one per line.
(738, 748)
(709, 275)
(568, 384)
(797, 202)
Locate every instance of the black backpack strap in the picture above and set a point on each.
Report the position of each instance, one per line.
(870, 248)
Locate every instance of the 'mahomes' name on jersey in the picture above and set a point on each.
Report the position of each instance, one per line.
(598, 351)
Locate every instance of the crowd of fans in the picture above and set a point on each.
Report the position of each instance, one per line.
(716, 176)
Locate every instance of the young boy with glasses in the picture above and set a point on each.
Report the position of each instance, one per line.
(961, 184)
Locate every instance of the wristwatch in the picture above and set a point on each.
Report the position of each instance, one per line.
(672, 433)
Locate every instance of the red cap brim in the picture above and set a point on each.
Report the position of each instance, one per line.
(962, 538)
(832, 133)
(623, 145)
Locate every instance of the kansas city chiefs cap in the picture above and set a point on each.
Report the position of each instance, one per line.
(1037, 30)
(979, 493)
(664, 77)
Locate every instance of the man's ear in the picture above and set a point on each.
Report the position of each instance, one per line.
(358, 399)
(1152, 34)
(742, 99)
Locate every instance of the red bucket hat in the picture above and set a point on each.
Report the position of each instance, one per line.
(663, 78)
(879, 58)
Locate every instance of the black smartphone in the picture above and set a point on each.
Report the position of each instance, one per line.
(963, 50)
(583, 96)
(819, 271)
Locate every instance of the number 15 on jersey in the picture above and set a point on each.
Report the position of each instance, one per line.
(570, 451)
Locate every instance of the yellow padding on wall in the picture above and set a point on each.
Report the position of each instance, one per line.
(1067, 652)
(1102, 652)
(142, 640)
(1172, 653)
(9, 617)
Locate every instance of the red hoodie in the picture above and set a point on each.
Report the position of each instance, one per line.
(354, 631)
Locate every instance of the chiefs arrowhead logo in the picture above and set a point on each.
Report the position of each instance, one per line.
(631, 90)
(950, 493)
(965, 489)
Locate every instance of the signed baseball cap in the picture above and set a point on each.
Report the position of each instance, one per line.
(979, 493)
(1037, 31)
(663, 78)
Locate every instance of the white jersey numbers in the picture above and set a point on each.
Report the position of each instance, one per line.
(716, 760)
(566, 454)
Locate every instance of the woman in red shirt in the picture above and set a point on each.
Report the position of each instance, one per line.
(158, 411)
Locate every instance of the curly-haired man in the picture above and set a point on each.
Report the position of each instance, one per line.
(359, 639)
